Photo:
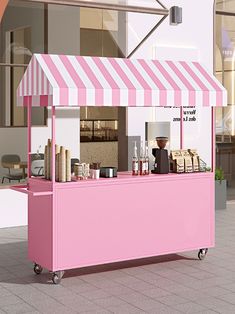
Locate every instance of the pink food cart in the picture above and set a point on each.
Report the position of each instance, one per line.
(92, 222)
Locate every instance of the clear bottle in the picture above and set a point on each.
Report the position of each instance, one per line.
(142, 160)
(135, 162)
(146, 158)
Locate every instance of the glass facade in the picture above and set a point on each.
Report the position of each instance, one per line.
(22, 33)
(225, 72)
(31, 27)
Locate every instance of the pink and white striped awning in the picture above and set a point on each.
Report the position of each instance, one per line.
(58, 80)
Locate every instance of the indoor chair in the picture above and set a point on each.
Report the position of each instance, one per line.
(16, 176)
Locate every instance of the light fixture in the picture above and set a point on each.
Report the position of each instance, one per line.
(175, 15)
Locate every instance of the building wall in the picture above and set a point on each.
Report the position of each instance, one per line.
(191, 40)
(195, 32)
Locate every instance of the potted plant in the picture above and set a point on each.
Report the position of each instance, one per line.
(220, 189)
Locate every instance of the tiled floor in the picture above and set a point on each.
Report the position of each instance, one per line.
(170, 284)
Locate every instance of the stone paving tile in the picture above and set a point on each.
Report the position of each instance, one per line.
(177, 288)
(52, 306)
(57, 310)
(155, 293)
(95, 294)
(139, 286)
(201, 275)
(118, 290)
(163, 309)
(215, 291)
(125, 309)
(18, 308)
(216, 304)
(230, 287)
(140, 301)
(4, 292)
(9, 300)
(149, 277)
(19, 289)
(37, 296)
(172, 300)
(134, 271)
(191, 295)
(109, 301)
(113, 274)
(53, 290)
(81, 287)
(208, 312)
(189, 307)
(101, 311)
(230, 298)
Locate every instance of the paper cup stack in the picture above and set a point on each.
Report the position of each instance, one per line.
(62, 163)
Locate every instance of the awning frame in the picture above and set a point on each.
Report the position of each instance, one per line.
(163, 11)
(108, 6)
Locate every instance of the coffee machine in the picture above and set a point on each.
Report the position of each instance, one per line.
(161, 164)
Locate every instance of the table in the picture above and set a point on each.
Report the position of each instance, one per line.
(17, 165)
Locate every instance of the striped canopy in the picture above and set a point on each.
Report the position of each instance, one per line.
(58, 80)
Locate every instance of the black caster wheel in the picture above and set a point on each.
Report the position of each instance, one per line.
(56, 279)
(202, 253)
(37, 269)
(57, 276)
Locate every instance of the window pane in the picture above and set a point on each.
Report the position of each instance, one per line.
(22, 33)
(22, 44)
(225, 5)
(225, 71)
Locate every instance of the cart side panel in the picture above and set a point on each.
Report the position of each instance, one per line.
(40, 228)
(110, 223)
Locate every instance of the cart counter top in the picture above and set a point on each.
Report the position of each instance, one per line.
(122, 178)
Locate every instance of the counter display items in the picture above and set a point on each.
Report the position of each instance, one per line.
(140, 165)
(62, 163)
(186, 161)
(135, 162)
(94, 222)
(161, 165)
(82, 171)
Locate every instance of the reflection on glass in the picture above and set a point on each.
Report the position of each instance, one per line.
(101, 33)
(98, 130)
(21, 35)
(225, 72)
(225, 5)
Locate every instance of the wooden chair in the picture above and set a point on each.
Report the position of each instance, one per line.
(6, 159)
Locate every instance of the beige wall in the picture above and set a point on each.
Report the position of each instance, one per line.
(104, 152)
(99, 19)
(99, 113)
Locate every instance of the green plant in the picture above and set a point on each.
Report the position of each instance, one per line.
(219, 174)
